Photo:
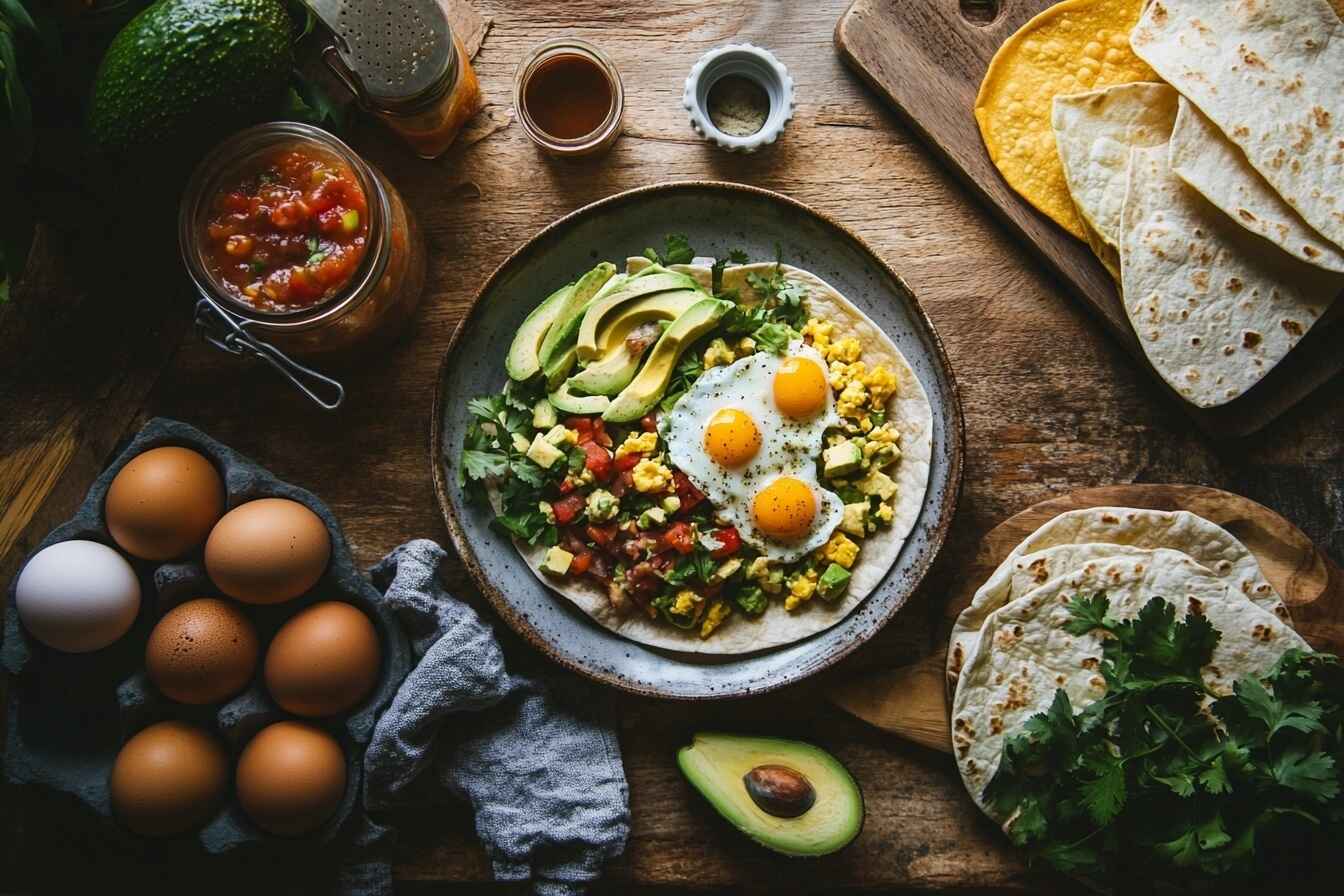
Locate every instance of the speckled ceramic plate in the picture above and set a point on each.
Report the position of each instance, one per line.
(717, 217)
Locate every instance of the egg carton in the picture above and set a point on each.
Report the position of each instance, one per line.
(69, 714)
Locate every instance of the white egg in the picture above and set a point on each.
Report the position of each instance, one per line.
(759, 443)
(77, 596)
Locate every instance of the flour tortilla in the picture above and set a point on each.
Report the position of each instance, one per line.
(1203, 157)
(1025, 654)
(1214, 306)
(1095, 132)
(909, 408)
(1101, 531)
(1268, 74)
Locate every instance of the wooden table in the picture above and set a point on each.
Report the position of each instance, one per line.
(1051, 404)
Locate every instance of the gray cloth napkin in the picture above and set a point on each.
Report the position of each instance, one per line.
(542, 773)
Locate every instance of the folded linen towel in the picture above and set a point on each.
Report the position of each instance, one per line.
(542, 773)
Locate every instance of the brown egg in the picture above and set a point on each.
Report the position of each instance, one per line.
(163, 503)
(324, 660)
(202, 651)
(168, 779)
(291, 778)
(267, 551)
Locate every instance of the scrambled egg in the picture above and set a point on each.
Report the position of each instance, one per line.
(884, 513)
(686, 603)
(881, 383)
(840, 550)
(801, 588)
(853, 400)
(847, 350)
(644, 443)
(820, 331)
(651, 476)
(717, 613)
(718, 353)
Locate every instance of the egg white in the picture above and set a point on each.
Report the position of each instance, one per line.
(788, 448)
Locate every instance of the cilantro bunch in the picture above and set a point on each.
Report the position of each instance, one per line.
(492, 455)
(1162, 780)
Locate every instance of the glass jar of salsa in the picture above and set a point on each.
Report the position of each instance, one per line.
(284, 228)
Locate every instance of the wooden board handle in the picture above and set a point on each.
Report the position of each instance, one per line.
(907, 702)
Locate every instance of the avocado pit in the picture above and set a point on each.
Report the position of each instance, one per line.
(779, 790)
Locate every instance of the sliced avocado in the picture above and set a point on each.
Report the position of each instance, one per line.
(608, 375)
(788, 796)
(651, 381)
(523, 360)
(616, 364)
(569, 403)
(634, 288)
(668, 305)
(560, 367)
(560, 337)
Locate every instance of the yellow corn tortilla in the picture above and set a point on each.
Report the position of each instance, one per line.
(1071, 47)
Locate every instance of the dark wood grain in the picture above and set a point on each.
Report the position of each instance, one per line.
(912, 702)
(1052, 404)
(928, 58)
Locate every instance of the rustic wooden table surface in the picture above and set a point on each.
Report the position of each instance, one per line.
(1051, 404)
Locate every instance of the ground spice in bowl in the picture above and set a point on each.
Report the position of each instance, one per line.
(738, 106)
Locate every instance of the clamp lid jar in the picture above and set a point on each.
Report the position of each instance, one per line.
(296, 246)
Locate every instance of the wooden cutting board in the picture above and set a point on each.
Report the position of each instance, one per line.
(913, 701)
(928, 58)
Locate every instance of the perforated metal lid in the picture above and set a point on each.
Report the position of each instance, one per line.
(399, 52)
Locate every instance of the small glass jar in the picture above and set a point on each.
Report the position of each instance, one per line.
(368, 309)
(534, 105)
(430, 122)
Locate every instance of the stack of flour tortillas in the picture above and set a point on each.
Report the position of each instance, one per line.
(1203, 155)
(1010, 650)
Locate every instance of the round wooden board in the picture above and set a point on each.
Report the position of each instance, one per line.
(913, 701)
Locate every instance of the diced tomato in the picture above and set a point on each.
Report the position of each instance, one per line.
(567, 508)
(582, 560)
(233, 202)
(602, 536)
(628, 461)
(329, 221)
(730, 542)
(582, 425)
(679, 538)
(688, 494)
(622, 483)
(598, 460)
(566, 486)
(648, 423)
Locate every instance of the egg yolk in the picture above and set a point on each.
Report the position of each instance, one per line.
(785, 508)
(731, 437)
(800, 387)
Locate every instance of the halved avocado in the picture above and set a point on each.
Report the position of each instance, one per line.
(569, 403)
(649, 384)
(646, 284)
(788, 796)
(523, 361)
(560, 337)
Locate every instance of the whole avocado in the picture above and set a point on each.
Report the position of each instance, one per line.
(186, 68)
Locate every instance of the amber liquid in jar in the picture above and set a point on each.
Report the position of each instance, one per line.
(568, 96)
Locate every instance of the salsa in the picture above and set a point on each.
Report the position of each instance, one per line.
(288, 230)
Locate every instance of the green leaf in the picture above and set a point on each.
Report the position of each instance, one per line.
(1211, 834)
(678, 249)
(1104, 796)
(484, 464)
(1311, 774)
(1087, 613)
(14, 11)
(1182, 852)
(16, 99)
(1276, 715)
(1214, 779)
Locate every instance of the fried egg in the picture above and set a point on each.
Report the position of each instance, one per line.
(748, 435)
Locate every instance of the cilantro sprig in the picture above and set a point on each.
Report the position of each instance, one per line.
(491, 455)
(1161, 779)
